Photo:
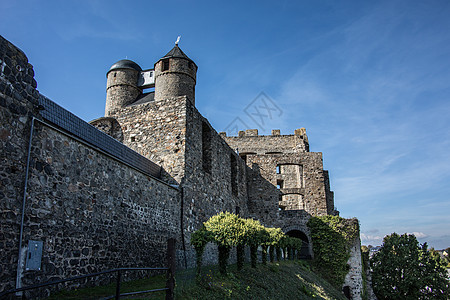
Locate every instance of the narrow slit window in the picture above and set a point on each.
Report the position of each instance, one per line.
(233, 167)
(206, 147)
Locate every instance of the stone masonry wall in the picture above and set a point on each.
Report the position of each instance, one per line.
(312, 188)
(18, 98)
(250, 142)
(207, 193)
(169, 132)
(121, 89)
(91, 211)
(354, 277)
(178, 80)
(157, 130)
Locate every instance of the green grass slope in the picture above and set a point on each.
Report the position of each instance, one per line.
(280, 280)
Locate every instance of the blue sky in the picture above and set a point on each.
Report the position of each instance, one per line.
(370, 81)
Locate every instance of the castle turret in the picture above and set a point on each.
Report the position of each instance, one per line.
(122, 85)
(175, 75)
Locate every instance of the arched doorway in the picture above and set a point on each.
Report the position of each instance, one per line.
(305, 252)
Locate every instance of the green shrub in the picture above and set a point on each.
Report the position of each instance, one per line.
(331, 238)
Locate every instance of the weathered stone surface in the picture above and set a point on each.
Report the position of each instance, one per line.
(354, 278)
(94, 212)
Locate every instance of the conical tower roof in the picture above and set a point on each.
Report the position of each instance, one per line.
(177, 53)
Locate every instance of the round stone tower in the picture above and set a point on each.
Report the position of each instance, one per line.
(122, 85)
(175, 75)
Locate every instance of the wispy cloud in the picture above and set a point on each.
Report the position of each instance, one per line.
(379, 99)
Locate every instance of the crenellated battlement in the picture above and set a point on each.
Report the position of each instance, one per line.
(301, 132)
(249, 141)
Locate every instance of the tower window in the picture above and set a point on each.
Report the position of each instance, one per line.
(190, 65)
(279, 184)
(165, 65)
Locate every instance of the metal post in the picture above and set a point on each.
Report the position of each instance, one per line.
(118, 284)
(170, 283)
(24, 200)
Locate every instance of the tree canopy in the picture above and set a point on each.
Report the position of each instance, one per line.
(402, 269)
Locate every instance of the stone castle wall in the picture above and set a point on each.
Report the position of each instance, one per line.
(156, 130)
(354, 277)
(249, 142)
(91, 211)
(284, 161)
(18, 99)
(208, 187)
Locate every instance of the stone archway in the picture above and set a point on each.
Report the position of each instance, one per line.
(305, 252)
(302, 233)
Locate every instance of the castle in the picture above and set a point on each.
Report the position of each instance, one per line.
(110, 193)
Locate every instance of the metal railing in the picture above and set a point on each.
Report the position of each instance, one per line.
(170, 282)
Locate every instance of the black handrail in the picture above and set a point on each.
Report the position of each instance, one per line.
(169, 284)
(35, 286)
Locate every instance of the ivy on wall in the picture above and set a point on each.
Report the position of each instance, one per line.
(331, 237)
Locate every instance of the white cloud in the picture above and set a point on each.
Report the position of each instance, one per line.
(371, 239)
(419, 235)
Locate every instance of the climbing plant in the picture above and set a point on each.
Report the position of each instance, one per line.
(331, 237)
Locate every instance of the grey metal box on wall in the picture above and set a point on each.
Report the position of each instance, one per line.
(34, 255)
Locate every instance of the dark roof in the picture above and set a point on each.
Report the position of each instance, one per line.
(125, 64)
(144, 98)
(176, 52)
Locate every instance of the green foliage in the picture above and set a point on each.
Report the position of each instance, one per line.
(199, 239)
(433, 274)
(224, 254)
(366, 266)
(331, 237)
(256, 234)
(226, 229)
(403, 270)
(284, 280)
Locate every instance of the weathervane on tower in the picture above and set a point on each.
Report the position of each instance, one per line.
(178, 40)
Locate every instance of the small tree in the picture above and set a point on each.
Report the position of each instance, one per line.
(275, 235)
(433, 273)
(226, 231)
(255, 236)
(403, 270)
(265, 243)
(199, 239)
